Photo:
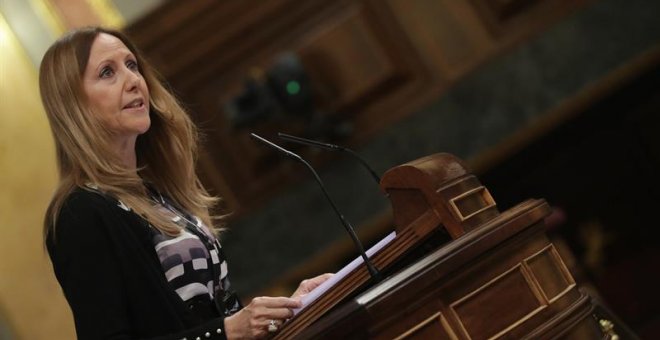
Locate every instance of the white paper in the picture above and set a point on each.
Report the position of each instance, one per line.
(338, 276)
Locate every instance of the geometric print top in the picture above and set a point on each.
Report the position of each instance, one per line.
(187, 264)
(193, 262)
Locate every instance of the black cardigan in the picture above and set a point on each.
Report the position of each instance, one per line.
(106, 264)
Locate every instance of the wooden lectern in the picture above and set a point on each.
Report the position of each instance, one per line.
(490, 275)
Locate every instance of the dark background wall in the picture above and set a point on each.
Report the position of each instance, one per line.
(503, 96)
(545, 99)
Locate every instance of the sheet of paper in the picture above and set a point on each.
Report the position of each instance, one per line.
(338, 276)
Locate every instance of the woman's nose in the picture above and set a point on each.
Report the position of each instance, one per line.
(132, 81)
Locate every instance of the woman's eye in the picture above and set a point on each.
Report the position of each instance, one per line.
(132, 65)
(106, 72)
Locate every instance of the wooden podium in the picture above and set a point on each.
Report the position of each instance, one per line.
(457, 269)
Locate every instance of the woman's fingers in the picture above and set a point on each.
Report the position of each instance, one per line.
(262, 313)
(269, 308)
(308, 285)
(276, 302)
(280, 313)
(320, 279)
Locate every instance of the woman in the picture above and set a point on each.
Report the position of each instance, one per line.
(128, 227)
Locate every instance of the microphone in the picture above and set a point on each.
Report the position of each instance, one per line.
(375, 275)
(332, 147)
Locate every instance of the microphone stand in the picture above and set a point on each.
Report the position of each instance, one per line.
(375, 275)
(332, 147)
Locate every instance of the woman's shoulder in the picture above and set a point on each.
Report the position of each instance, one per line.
(81, 212)
(91, 197)
(86, 214)
(85, 200)
(80, 195)
(86, 205)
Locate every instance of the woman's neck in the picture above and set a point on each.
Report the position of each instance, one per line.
(126, 152)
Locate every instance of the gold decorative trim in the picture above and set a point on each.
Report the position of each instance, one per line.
(485, 195)
(428, 320)
(107, 12)
(607, 327)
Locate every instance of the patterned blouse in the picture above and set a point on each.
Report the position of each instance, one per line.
(193, 262)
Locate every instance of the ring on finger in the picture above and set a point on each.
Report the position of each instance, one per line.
(272, 327)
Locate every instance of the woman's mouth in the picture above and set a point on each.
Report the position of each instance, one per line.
(134, 104)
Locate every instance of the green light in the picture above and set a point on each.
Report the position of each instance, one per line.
(292, 87)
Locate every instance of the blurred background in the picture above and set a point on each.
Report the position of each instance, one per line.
(549, 99)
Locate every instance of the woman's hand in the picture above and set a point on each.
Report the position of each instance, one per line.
(308, 285)
(253, 320)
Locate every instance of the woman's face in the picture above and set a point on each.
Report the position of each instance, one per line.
(116, 90)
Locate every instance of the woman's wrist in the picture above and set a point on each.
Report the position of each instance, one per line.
(230, 327)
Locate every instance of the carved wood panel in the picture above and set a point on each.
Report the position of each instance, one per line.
(369, 64)
(474, 312)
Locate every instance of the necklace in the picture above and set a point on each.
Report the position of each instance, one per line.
(192, 227)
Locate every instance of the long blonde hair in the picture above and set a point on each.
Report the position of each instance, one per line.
(166, 153)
